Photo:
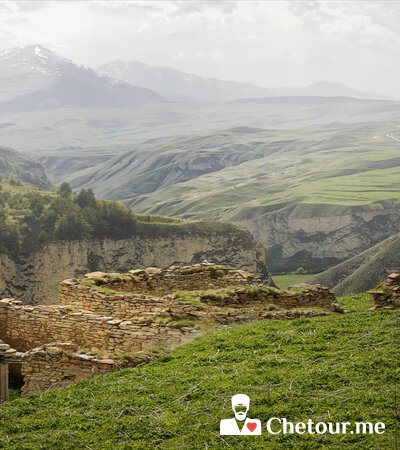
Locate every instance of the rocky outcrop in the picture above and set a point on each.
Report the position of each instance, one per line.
(36, 278)
(317, 241)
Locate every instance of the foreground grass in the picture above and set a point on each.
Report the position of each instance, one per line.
(334, 368)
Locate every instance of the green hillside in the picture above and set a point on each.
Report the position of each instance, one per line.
(246, 172)
(288, 280)
(336, 368)
(18, 168)
(31, 216)
(364, 271)
(313, 197)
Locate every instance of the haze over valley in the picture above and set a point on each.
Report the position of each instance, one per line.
(312, 171)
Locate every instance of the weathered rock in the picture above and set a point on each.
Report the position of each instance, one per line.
(315, 241)
(36, 279)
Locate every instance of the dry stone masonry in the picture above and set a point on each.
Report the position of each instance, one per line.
(389, 296)
(104, 322)
(8, 356)
(7, 353)
(60, 363)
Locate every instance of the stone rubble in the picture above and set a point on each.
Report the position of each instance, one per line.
(389, 296)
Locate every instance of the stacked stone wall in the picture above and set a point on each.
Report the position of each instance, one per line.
(139, 306)
(161, 282)
(28, 327)
(58, 364)
(119, 306)
(3, 321)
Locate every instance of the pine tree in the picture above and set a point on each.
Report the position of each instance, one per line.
(65, 190)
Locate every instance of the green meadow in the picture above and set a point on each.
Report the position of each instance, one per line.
(337, 368)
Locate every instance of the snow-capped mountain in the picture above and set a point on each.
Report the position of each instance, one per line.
(175, 85)
(34, 77)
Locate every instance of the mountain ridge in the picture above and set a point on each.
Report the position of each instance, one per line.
(175, 84)
(34, 77)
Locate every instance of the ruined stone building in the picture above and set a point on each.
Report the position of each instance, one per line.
(105, 322)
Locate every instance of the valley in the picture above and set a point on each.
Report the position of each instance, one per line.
(312, 173)
(313, 196)
(71, 129)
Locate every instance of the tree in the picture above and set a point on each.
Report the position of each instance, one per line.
(65, 190)
(86, 199)
(72, 226)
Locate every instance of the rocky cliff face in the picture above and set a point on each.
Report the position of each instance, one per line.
(36, 278)
(319, 242)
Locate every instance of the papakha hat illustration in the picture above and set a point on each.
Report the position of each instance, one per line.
(241, 399)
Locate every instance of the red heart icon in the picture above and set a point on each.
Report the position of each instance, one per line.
(251, 426)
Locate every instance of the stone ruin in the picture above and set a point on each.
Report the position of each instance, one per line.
(105, 322)
(389, 296)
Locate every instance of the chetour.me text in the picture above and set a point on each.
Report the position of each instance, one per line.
(280, 425)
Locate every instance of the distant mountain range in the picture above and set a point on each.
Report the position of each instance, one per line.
(326, 89)
(175, 85)
(180, 86)
(34, 77)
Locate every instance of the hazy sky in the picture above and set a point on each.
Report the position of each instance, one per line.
(272, 43)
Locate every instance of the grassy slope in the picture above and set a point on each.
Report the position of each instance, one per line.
(242, 174)
(20, 168)
(336, 368)
(364, 271)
